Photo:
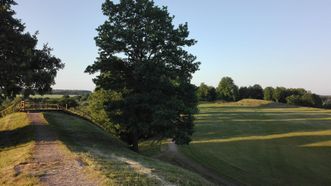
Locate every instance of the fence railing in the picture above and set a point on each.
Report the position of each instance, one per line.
(26, 106)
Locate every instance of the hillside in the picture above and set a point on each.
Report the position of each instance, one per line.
(254, 142)
(94, 154)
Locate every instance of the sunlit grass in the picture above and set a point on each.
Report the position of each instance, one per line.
(262, 143)
(16, 145)
(267, 137)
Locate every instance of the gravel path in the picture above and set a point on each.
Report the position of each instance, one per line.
(51, 162)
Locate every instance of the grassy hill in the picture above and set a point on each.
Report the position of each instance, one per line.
(101, 155)
(262, 143)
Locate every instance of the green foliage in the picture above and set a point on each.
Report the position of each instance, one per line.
(65, 101)
(252, 92)
(294, 100)
(268, 93)
(22, 66)
(69, 101)
(206, 93)
(212, 94)
(279, 95)
(308, 99)
(311, 100)
(96, 108)
(202, 92)
(227, 90)
(143, 63)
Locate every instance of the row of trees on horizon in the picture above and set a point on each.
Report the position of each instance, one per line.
(227, 90)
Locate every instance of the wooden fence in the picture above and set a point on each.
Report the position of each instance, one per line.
(26, 106)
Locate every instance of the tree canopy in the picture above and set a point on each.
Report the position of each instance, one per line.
(143, 63)
(23, 68)
(227, 90)
(206, 93)
(268, 93)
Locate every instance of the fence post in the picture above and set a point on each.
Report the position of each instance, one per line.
(22, 105)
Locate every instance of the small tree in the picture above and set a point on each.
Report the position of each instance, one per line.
(212, 95)
(311, 100)
(279, 95)
(143, 63)
(22, 66)
(268, 93)
(294, 100)
(256, 92)
(227, 90)
(202, 92)
(243, 93)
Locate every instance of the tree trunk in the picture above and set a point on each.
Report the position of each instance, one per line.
(134, 142)
(135, 146)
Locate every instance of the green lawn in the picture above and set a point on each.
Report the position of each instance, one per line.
(261, 143)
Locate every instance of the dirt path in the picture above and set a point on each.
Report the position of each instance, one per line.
(172, 154)
(51, 162)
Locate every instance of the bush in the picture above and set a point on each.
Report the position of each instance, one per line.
(294, 100)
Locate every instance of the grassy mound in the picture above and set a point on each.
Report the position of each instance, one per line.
(261, 143)
(110, 158)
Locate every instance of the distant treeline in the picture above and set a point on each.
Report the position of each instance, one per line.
(65, 101)
(227, 90)
(70, 92)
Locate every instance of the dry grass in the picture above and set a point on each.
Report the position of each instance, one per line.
(16, 146)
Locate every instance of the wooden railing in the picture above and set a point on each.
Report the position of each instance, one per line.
(26, 106)
(30, 106)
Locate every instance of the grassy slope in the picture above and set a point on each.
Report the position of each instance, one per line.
(16, 144)
(272, 144)
(107, 155)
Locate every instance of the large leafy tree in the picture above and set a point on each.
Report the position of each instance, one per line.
(143, 63)
(22, 66)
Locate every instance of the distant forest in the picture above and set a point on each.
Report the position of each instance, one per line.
(227, 90)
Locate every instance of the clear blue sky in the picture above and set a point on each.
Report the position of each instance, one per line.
(272, 43)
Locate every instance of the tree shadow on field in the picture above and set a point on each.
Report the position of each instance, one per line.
(281, 160)
(12, 138)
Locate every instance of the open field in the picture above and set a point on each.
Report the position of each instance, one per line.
(262, 143)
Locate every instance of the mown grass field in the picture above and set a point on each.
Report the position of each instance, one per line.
(261, 143)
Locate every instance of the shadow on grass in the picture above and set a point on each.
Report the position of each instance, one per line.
(296, 160)
(18, 136)
(12, 138)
